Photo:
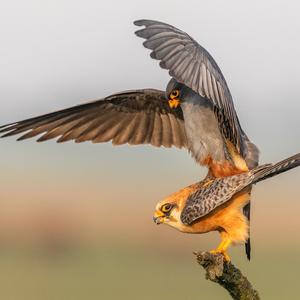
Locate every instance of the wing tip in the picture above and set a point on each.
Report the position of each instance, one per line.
(21, 138)
(139, 22)
(7, 134)
(4, 127)
(144, 22)
(7, 128)
(139, 32)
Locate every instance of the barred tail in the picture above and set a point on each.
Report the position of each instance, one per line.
(266, 171)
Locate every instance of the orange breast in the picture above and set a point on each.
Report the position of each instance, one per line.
(225, 169)
(228, 217)
(236, 165)
(222, 169)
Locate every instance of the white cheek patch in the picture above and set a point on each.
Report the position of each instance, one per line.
(175, 214)
(174, 219)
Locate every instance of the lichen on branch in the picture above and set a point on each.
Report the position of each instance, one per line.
(226, 275)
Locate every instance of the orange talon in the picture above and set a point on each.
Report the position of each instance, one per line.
(225, 243)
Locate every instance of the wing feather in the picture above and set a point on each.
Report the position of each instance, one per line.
(156, 139)
(190, 64)
(177, 137)
(134, 127)
(167, 130)
(133, 117)
(122, 137)
(76, 130)
(57, 131)
(107, 131)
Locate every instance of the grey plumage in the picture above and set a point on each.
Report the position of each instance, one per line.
(221, 190)
(190, 64)
(202, 129)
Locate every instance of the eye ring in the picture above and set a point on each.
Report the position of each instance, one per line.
(174, 93)
(166, 207)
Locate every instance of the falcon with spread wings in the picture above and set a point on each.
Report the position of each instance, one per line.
(195, 112)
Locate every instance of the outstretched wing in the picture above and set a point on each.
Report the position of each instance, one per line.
(192, 65)
(133, 117)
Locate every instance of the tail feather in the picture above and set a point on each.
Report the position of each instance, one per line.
(252, 159)
(263, 172)
(266, 171)
(248, 248)
(246, 211)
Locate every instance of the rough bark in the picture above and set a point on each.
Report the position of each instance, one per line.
(226, 275)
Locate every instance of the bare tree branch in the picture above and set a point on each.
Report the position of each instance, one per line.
(226, 275)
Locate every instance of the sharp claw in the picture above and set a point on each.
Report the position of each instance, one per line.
(225, 255)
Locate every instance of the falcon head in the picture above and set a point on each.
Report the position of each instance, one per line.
(177, 93)
(168, 210)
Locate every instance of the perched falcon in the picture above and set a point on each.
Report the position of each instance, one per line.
(195, 112)
(215, 204)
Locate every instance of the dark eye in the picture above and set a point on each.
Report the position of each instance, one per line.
(175, 93)
(166, 207)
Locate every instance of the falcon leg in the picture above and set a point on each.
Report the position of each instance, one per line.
(223, 246)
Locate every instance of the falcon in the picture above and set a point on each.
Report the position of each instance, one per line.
(215, 205)
(196, 112)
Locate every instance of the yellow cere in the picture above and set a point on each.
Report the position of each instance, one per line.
(173, 103)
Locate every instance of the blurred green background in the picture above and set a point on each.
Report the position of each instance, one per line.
(76, 220)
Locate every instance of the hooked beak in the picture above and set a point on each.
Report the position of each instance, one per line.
(173, 102)
(158, 218)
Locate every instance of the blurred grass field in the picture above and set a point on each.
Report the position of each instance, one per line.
(66, 231)
(133, 272)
